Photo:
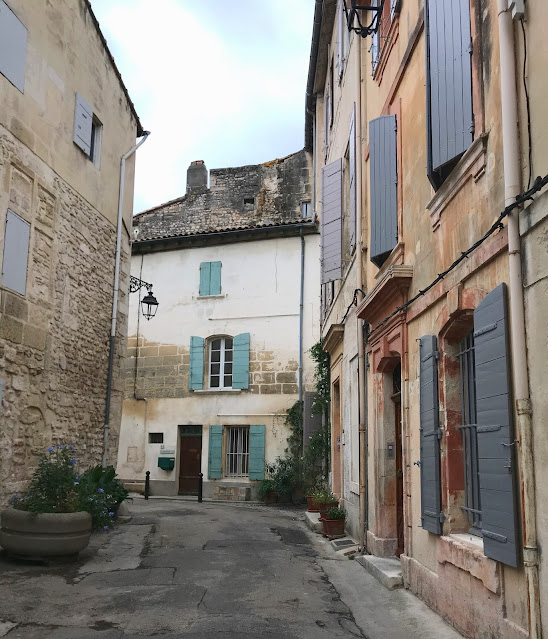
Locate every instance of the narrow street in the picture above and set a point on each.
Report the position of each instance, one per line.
(183, 569)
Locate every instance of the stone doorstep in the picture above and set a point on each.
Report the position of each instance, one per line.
(134, 487)
(386, 570)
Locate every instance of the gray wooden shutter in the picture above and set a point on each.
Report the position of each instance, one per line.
(340, 34)
(331, 227)
(430, 435)
(240, 366)
(13, 47)
(16, 253)
(450, 127)
(83, 120)
(196, 375)
(326, 123)
(496, 447)
(384, 188)
(311, 423)
(352, 162)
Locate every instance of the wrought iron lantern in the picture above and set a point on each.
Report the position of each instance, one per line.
(356, 11)
(149, 304)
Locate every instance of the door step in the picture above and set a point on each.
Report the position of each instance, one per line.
(386, 570)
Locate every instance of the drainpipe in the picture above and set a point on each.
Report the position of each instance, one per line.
(112, 341)
(301, 308)
(359, 323)
(512, 182)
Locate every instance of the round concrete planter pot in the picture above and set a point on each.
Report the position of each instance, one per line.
(25, 534)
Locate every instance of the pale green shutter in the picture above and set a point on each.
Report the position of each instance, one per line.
(215, 456)
(256, 452)
(215, 278)
(196, 375)
(205, 278)
(240, 371)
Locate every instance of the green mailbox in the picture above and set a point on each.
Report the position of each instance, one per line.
(166, 463)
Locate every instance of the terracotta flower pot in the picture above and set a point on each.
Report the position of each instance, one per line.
(333, 527)
(312, 505)
(42, 535)
(270, 497)
(324, 506)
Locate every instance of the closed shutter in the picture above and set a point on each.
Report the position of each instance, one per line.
(384, 188)
(215, 281)
(496, 447)
(16, 253)
(449, 84)
(240, 369)
(215, 455)
(13, 47)
(311, 423)
(205, 278)
(331, 233)
(83, 120)
(430, 435)
(196, 376)
(256, 452)
(352, 162)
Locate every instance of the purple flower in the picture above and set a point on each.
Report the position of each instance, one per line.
(71, 447)
(60, 446)
(76, 483)
(101, 490)
(105, 527)
(50, 449)
(111, 514)
(73, 461)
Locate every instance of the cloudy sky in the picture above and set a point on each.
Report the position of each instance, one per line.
(219, 80)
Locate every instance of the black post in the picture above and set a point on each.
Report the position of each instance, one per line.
(200, 487)
(147, 484)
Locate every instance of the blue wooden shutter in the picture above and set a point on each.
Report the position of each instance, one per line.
(496, 447)
(215, 278)
(384, 188)
(205, 278)
(430, 435)
(256, 452)
(240, 368)
(450, 127)
(352, 162)
(215, 455)
(196, 376)
(16, 253)
(331, 228)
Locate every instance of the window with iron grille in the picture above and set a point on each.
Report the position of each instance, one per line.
(221, 352)
(237, 451)
(472, 504)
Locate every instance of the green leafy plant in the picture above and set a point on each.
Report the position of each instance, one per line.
(282, 474)
(266, 486)
(325, 497)
(336, 513)
(57, 487)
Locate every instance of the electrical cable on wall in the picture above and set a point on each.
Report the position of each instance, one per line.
(527, 104)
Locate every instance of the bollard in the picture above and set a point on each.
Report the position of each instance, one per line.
(200, 487)
(147, 484)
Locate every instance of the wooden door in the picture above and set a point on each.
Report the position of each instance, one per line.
(191, 464)
(399, 478)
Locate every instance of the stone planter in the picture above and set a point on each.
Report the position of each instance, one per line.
(44, 535)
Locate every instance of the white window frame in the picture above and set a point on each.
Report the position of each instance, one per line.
(222, 362)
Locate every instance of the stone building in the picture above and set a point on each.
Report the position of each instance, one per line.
(235, 269)
(66, 120)
(420, 141)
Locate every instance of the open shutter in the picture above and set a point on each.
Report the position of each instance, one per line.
(340, 34)
(215, 455)
(16, 253)
(430, 435)
(240, 369)
(83, 120)
(352, 162)
(331, 233)
(449, 83)
(196, 376)
(215, 281)
(13, 47)
(205, 278)
(496, 447)
(326, 104)
(384, 188)
(256, 452)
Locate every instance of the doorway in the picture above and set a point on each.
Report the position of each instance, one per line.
(396, 398)
(191, 459)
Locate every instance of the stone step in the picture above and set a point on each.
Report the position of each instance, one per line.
(386, 570)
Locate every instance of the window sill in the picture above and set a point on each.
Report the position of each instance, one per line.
(218, 390)
(210, 297)
(471, 165)
(466, 552)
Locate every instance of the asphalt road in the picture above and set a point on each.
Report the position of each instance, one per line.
(183, 569)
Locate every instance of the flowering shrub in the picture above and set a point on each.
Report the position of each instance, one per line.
(56, 487)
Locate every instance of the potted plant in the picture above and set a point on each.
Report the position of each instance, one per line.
(282, 474)
(266, 491)
(333, 522)
(325, 500)
(54, 517)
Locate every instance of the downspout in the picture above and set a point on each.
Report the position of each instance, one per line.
(112, 341)
(301, 309)
(359, 323)
(512, 181)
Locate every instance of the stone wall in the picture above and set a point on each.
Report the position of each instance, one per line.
(277, 188)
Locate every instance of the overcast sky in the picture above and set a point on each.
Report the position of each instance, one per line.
(222, 81)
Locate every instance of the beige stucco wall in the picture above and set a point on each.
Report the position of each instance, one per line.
(54, 338)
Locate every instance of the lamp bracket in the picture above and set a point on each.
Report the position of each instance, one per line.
(135, 284)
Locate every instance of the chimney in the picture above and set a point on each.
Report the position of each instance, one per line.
(196, 177)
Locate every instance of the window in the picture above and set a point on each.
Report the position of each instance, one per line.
(13, 47)
(306, 211)
(472, 503)
(156, 438)
(210, 278)
(16, 252)
(87, 130)
(237, 451)
(380, 38)
(221, 355)
(96, 138)
(249, 201)
(343, 42)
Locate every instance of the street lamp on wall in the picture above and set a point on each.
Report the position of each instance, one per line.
(149, 304)
(356, 12)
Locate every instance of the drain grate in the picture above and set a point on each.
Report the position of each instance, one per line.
(344, 542)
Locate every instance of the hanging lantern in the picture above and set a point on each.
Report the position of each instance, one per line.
(149, 304)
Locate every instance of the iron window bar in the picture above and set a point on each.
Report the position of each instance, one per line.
(237, 451)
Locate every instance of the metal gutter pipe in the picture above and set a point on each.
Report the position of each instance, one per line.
(512, 182)
(112, 340)
(301, 311)
(314, 48)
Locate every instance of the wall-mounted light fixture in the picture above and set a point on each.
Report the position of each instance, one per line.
(149, 304)
(356, 13)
